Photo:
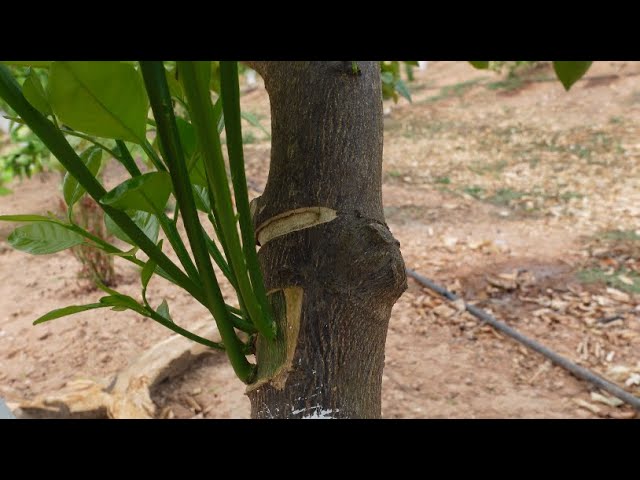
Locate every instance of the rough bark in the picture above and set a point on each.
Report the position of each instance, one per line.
(331, 265)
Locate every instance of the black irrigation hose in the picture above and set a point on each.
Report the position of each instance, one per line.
(578, 371)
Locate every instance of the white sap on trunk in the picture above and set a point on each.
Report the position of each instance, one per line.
(315, 413)
(319, 415)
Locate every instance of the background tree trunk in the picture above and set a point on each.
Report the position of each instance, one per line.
(331, 266)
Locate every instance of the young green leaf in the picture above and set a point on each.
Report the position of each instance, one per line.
(214, 77)
(570, 72)
(201, 196)
(402, 89)
(42, 238)
(197, 172)
(14, 119)
(147, 222)
(188, 142)
(218, 115)
(148, 193)
(148, 270)
(163, 311)
(174, 85)
(106, 99)
(35, 94)
(187, 136)
(71, 189)
(63, 312)
(121, 302)
(480, 65)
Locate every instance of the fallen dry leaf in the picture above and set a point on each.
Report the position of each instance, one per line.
(623, 415)
(501, 282)
(588, 406)
(618, 295)
(444, 311)
(449, 241)
(625, 279)
(607, 400)
(634, 379)
(459, 305)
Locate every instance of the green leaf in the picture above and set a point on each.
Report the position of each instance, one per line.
(42, 238)
(214, 79)
(71, 189)
(106, 99)
(570, 72)
(163, 311)
(131, 253)
(121, 302)
(387, 77)
(63, 312)
(14, 119)
(201, 196)
(197, 173)
(402, 89)
(187, 135)
(147, 222)
(480, 65)
(219, 114)
(35, 94)
(174, 85)
(149, 193)
(148, 270)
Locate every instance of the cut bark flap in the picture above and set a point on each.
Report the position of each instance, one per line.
(294, 220)
(275, 359)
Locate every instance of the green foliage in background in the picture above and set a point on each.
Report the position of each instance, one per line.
(513, 69)
(568, 72)
(393, 86)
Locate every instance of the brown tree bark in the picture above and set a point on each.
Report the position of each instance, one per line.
(332, 268)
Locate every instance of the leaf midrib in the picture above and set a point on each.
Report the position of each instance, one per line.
(70, 70)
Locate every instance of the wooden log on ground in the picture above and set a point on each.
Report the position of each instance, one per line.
(127, 395)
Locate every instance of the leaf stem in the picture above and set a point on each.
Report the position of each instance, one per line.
(153, 156)
(149, 312)
(231, 107)
(127, 160)
(160, 98)
(202, 116)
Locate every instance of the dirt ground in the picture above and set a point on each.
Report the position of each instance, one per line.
(519, 196)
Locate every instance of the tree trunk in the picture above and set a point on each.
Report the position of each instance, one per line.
(332, 268)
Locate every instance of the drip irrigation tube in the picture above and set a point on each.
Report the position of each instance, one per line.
(577, 370)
